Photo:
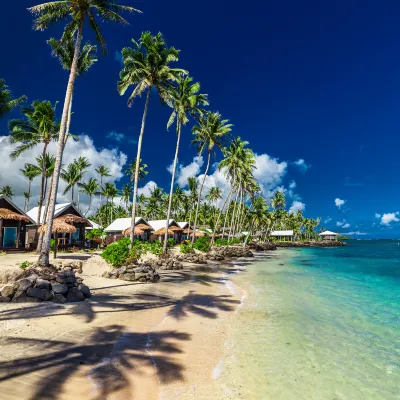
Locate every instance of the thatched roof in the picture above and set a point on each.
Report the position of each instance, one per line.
(188, 231)
(199, 234)
(137, 231)
(175, 228)
(73, 219)
(8, 214)
(59, 226)
(162, 232)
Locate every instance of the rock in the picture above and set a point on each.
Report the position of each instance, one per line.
(59, 298)
(22, 297)
(8, 291)
(48, 277)
(106, 275)
(32, 277)
(59, 288)
(67, 269)
(24, 284)
(121, 277)
(129, 277)
(85, 290)
(5, 299)
(74, 295)
(42, 294)
(139, 276)
(142, 279)
(42, 284)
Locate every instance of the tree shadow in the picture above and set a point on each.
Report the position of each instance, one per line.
(73, 257)
(109, 351)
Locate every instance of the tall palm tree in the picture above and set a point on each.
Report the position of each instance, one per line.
(30, 172)
(7, 191)
(147, 66)
(126, 195)
(186, 100)
(64, 50)
(91, 188)
(38, 127)
(7, 102)
(82, 163)
(210, 133)
(193, 186)
(214, 195)
(104, 172)
(46, 15)
(110, 191)
(71, 175)
(131, 170)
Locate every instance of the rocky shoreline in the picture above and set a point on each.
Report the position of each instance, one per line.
(324, 243)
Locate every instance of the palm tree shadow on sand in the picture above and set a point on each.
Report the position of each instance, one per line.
(111, 351)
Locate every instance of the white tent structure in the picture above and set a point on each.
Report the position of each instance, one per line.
(283, 235)
(328, 235)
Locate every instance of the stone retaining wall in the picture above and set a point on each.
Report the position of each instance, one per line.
(134, 273)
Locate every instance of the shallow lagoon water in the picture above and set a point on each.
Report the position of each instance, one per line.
(324, 325)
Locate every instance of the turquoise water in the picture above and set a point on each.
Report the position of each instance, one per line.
(324, 325)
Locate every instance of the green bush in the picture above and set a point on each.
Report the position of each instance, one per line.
(202, 244)
(171, 242)
(94, 234)
(117, 253)
(186, 248)
(25, 264)
(52, 244)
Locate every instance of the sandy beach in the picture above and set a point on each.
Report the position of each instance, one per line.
(129, 341)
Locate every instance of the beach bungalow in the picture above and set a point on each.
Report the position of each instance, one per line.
(122, 227)
(65, 212)
(328, 235)
(284, 236)
(187, 230)
(158, 226)
(94, 225)
(13, 222)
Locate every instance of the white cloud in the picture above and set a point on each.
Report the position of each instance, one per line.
(388, 218)
(183, 173)
(269, 172)
(292, 185)
(346, 225)
(297, 206)
(10, 170)
(120, 137)
(357, 233)
(302, 165)
(147, 188)
(339, 202)
(377, 215)
(329, 219)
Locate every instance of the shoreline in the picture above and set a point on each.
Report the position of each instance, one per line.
(128, 341)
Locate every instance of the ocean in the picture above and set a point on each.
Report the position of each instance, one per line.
(319, 324)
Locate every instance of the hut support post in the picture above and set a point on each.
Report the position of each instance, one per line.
(55, 246)
(18, 234)
(1, 232)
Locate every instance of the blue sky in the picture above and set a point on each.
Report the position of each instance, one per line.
(311, 80)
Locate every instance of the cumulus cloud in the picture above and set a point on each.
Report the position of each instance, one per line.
(339, 202)
(377, 215)
(296, 206)
(269, 172)
(301, 164)
(292, 185)
(388, 218)
(120, 137)
(356, 233)
(329, 219)
(346, 225)
(183, 173)
(10, 170)
(147, 188)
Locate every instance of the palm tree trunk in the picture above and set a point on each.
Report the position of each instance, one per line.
(227, 208)
(72, 194)
(45, 216)
(178, 139)
(101, 188)
(44, 259)
(199, 197)
(90, 204)
(42, 183)
(219, 215)
(29, 195)
(233, 214)
(239, 214)
(139, 149)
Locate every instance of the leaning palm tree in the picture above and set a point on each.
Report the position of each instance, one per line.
(7, 102)
(186, 101)
(7, 191)
(48, 14)
(147, 65)
(38, 127)
(30, 172)
(90, 188)
(210, 133)
(82, 163)
(71, 176)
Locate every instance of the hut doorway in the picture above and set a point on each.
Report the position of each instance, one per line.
(10, 237)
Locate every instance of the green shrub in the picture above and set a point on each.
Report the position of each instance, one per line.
(117, 253)
(25, 264)
(202, 244)
(94, 234)
(171, 242)
(2, 253)
(186, 248)
(52, 244)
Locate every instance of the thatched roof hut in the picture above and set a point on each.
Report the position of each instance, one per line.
(11, 215)
(74, 219)
(59, 226)
(162, 231)
(188, 231)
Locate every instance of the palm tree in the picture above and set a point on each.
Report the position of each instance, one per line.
(110, 191)
(48, 14)
(214, 195)
(211, 132)
(130, 171)
(30, 172)
(7, 102)
(64, 50)
(7, 191)
(193, 185)
(126, 195)
(49, 163)
(39, 127)
(146, 66)
(71, 175)
(90, 188)
(186, 100)
(104, 172)
(82, 163)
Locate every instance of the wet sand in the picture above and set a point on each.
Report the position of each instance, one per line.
(129, 341)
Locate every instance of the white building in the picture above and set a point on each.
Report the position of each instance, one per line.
(328, 235)
(283, 235)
